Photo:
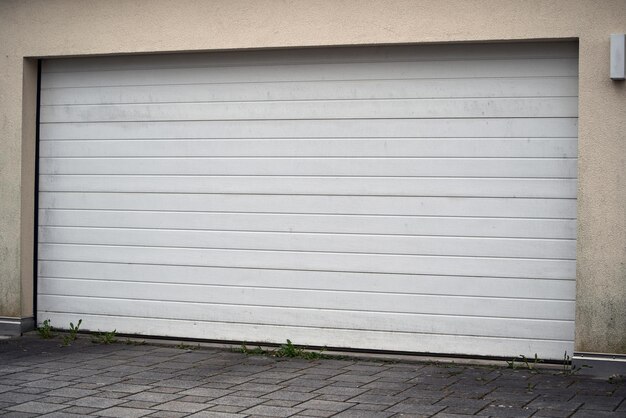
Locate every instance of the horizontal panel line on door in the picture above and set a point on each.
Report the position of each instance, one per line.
(394, 138)
(308, 213)
(296, 233)
(340, 80)
(330, 99)
(347, 176)
(305, 251)
(310, 327)
(511, 196)
(308, 194)
(291, 233)
(292, 138)
(118, 263)
(87, 225)
(306, 119)
(257, 157)
(247, 269)
(351, 291)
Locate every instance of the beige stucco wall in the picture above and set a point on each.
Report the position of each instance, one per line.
(57, 28)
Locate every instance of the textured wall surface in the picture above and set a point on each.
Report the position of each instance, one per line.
(62, 28)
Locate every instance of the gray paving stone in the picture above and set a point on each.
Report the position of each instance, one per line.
(178, 406)
(277, 402)
(31, 391)
(69, 392)
(77, 372)
(15, 397)
(7, 388)
(356, 413)
(215, 414)
(232, 409)
(237, 401)
(26, 376)
(272, 411)
(551, 413)
(346, 377)
(340, 390)
(182, 384)
(162, 389)
(507, 412)
(126, 388)
(56, 399)
(196, 399)
(304, 382)
(121, 412)
(369, 407)
(152, 397)
(456, 405)
(412, 408)
(36, 407)
(290, 396)
(603, 403)
(325, 405)
(597, 414)
(377, 399)
(47, 384)
(112, 395)
(315, 413)
(79, 410)
(168, 414)
(15, 414)
(208, 392)
(139, 404)
(335, 398)
(257, 387)
(563, 406)
(96, 402)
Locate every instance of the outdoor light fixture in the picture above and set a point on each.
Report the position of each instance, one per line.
(618, 59)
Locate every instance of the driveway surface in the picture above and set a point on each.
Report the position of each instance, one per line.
(39, 377)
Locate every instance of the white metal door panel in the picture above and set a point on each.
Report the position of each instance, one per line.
(414, 198)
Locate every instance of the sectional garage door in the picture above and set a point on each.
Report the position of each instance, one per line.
(414, 198)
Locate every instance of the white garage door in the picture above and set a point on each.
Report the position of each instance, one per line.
(415, 198)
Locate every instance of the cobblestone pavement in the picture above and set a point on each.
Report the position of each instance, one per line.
(38, 377)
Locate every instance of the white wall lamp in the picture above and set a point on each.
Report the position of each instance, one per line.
(618, 59)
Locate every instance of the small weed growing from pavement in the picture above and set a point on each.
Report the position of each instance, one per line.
(566, 363)
(107, 337)
(512, 364)
(292, 351)
(258, 351)
(45, 330)
(288, 350)
(524, 362)
(67, 339)
(569, 369)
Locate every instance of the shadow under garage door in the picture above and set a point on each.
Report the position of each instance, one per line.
(414, 198)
